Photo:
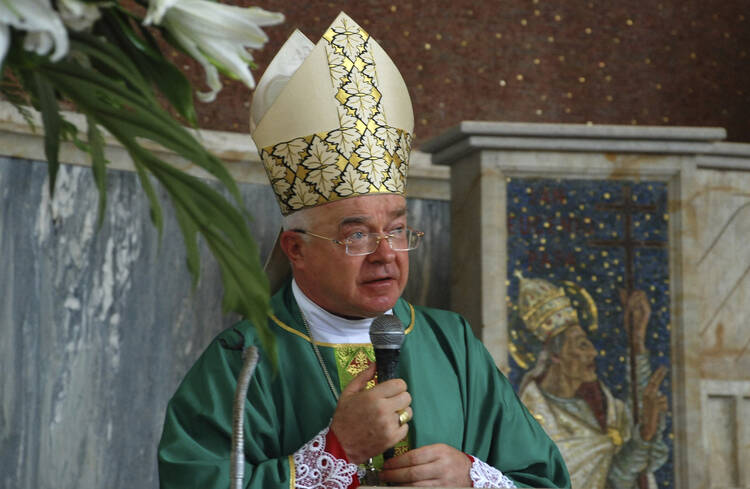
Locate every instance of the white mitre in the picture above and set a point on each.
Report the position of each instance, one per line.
(332, 121)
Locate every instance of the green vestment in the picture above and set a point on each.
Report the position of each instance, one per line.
(458, 397)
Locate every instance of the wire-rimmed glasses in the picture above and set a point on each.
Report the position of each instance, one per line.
(359, 243)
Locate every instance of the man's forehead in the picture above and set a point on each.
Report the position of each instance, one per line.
(363, 208)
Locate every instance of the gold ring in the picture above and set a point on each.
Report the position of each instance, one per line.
(403, 417)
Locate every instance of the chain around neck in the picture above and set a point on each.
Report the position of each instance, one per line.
(320, 357)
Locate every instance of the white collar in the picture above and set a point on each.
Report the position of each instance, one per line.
(329, 328)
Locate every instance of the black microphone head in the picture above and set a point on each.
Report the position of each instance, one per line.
(387, 332)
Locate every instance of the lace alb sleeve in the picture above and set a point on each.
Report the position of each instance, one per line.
(321, 464)
(485, 475)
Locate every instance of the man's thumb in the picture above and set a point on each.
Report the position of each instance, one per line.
(359, 382)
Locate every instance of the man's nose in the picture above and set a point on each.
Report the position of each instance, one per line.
(383, 251)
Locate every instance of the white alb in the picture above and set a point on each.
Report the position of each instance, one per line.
(484, 475)
(315, 468)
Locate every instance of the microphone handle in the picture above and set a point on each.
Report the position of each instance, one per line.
(386, 363)
(386, 366)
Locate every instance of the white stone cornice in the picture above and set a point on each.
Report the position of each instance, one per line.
(704, 143)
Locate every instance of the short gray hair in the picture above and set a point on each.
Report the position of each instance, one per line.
(300, 219)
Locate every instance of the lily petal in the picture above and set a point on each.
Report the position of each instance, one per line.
(156, 11)
(78, 15)
(212, 74)
(4, 42)
(41, 21)
(216, 35)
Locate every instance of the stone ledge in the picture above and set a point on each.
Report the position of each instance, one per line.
(705, 143)
(19, 140)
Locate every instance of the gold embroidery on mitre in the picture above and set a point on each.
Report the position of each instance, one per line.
(544, 308)
(364, 155)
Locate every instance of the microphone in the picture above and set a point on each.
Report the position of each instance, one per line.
(386, 336)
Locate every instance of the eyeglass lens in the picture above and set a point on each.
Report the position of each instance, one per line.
(400, 241)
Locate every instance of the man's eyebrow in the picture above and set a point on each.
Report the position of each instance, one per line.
(353, 220)
(401, 211)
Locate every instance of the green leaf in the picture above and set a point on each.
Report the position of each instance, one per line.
(13, 92)
(116, 62)
(190, 234)
(246, 288)
(52, 124)
(153, 65)
(155, 208)
(131, 118)
(98, 166)
(147, 119)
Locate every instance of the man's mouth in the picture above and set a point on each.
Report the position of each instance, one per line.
(378, 280)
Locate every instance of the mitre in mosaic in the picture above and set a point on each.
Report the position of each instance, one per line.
(332, 120)
(544, 308)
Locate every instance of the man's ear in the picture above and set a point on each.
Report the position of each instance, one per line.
(292, 244)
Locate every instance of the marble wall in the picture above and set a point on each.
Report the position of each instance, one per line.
(721, 224)
(98, 326)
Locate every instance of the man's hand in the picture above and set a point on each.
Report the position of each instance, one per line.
(366, 421)
(431, 465)
(654, 403)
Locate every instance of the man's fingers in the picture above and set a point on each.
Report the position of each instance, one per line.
(395, 404)
(431, 465)
(410, 472)
(391, 387)
(359, 382)
(418, 456)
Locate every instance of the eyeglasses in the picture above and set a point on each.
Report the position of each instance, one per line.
(359, 243)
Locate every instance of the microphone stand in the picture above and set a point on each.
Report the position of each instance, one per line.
(237, 461)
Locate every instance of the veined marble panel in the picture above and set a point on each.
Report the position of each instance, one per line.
(720, 223)
(726, 432)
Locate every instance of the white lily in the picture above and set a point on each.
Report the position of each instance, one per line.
(78, 15)
(216, 35)
(4, 42)
(44, 27)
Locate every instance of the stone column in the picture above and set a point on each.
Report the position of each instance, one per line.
(485, 156)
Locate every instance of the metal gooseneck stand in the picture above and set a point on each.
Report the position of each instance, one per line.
(237, 461)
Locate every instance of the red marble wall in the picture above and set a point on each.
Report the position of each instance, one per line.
(644, 62)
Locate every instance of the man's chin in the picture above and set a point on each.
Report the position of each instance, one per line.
(375, 306)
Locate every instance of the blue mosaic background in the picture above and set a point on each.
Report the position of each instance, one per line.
(551, 226)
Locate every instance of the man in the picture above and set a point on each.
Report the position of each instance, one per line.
(332, 122)
(594, 430)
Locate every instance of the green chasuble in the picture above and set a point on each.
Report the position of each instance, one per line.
(458, 397)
